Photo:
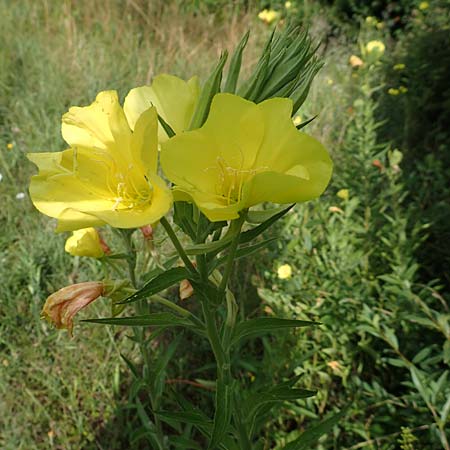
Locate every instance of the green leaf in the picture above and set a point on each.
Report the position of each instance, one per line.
(261, 325)
(166, 126)
(261, 216)
(161, 319)
(183, 216)
(209, 90)
(131, 366)
(222, 415)
(306, 122)
(235, 65)
(314, 433)
(192, 417)
(161, 282)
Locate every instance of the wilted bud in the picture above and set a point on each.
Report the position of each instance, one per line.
(355, 61)
(61, 307)
(378, 164)
(147, 232)
(85, 242)
(186, 290)
(335, 209)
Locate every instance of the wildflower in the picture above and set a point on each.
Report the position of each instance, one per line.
(9, 145)
(335, 366)
(370, 20)
(375, 48)
(186, 290)
(393, 91)
(109, 173)
(20, 196)
(268, 16)
(243, 155)
(355, 61)
(85, 242)
(174, 99)
(399, 66)
(329, 81)
(61, 307)
(403, 89)
(297, 120)
(288, 5)
(380, 25)
(343, 193)
(335, 209)
(284, 272)
(423, 6)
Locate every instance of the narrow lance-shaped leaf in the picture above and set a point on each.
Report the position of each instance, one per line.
(162, 319)
(209, 90)
(262, 325)
(161, 282)
(235, 65)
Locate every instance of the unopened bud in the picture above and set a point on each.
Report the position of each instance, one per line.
(85, 242)
(147, 232)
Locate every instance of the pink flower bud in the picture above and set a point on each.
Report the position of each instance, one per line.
(61, 307)
(147, 232)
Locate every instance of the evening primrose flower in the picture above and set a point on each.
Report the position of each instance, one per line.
(85, 242)
(393, 91)
(343, 193)
(284, 272)
(423, 6)
(9, 145)
(174, 99)
(61, 307)
(268, 16)
(108, 175)
(243, 155)
(375, 48)
(288, 5)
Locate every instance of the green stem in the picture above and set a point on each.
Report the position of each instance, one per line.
(232, 253)
(176, 243)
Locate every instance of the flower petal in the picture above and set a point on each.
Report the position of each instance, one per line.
(174, 99)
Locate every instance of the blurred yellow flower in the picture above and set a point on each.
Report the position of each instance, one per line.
(268, 16)
(423, 6)
(393, 91)
(288, 5)
(61, 307)
(297, 120)
(355, 61)
(85, 242)
(343, 193)
(403, 89)
(284, 272)
(109, 173)
(9, 145)
(174, 99)
(399, 66)
(245, 154)
(329, 81)
(370, 20)
(376, 48)
(380, 25)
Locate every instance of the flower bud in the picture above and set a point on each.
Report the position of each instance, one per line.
(85, 242)
(61, 307)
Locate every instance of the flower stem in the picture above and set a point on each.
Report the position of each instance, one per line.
(176, 243)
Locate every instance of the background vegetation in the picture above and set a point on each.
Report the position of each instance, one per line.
(372, 265)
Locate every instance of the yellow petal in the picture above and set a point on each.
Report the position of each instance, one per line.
(174, 99)
(84, 242)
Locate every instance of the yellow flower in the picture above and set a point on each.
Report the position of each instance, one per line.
(393, 91)
(85, 242)
(288, 5)
(375, 48)
(380, 25)
(423, 6)
(400, 66)
(297, 120)
(403, 89)
(284, 272)
(61, 307)
(370, 20)
(343, 193)
(268, 16)
(9, 145)
(243, 155)
(108, 175)
(329, 81)
(175, 101)
(355, 61)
